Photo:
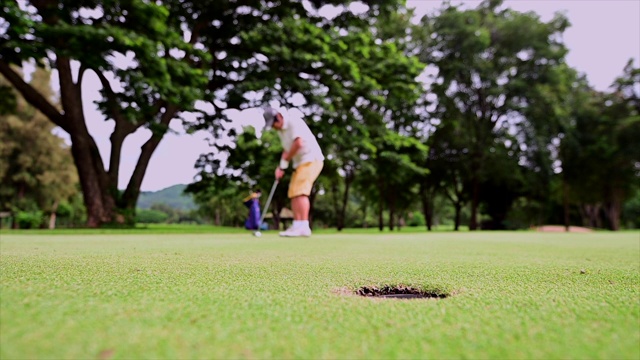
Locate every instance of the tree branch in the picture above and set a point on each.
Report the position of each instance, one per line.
(34, 97)
(81, 71)
(159, 104)
(121, 130)
(111, 98)
(70, 94)
(71, 97)
(130, 196)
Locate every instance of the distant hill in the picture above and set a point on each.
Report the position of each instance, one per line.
(171, 196)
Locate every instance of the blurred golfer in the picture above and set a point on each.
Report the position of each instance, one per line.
(302, 150)
(253, 203)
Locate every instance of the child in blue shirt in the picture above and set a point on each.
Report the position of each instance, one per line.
(251, 201)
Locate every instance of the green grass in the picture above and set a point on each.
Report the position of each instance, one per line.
(203, 229)
(184, 296)
(138, 230)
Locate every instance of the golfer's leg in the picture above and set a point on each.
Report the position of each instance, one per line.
(299, 190)
(300, 206)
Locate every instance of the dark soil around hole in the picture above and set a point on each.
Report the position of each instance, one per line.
(399, 292)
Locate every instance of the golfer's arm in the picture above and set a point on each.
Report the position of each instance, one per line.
(297, 145)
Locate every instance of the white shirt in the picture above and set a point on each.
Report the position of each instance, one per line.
(294, 127)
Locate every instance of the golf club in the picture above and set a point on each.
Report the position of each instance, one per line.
(257, 233)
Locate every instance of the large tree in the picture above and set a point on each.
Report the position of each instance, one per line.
(599, 149)
(148, 72)
(493, 66)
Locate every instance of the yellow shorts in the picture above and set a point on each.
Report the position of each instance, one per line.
(303, 178)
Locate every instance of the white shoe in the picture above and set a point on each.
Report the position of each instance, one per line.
(295, 232)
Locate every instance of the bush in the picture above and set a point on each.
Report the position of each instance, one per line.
(145, 216)
(416, 219)
(29, 220)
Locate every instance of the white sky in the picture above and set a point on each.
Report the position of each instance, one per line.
(603, 36)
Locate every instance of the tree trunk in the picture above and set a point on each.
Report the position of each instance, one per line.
(591, 213)
(401, 222)
(99, 202)
(20, 195)
(614, 209)
(52, 221)
(458, 208)
(336, 206)
(429, 218)
(14, 221)
(217, 218)
(426, 206)
(364, 214)
(565, 200)
(613, 214)
(597, 219)
(380, 205)
(96, 190)
(345, 200)
(276, 214)
(392, 212)
(52, 216)
(473, 223)
(380, 217)
(583, 215)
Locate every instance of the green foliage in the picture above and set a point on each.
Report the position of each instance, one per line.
(36, 167)
(499, 74)
(631, 212)
(29, 220)
(148, 216)
(416, 218)
(72, 213)
(164, 74)
(7, 100)
(249, 165)
(176, 215)
(483, 134)
(350, 76)
(599, 149)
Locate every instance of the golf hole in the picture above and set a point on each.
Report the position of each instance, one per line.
(400, 292)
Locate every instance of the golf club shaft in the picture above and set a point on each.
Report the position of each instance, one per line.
(266, 205)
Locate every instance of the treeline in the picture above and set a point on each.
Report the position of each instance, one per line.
(161, 213)
(502, 134)
(469, 116)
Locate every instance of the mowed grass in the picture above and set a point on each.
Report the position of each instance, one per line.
(223, 296)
